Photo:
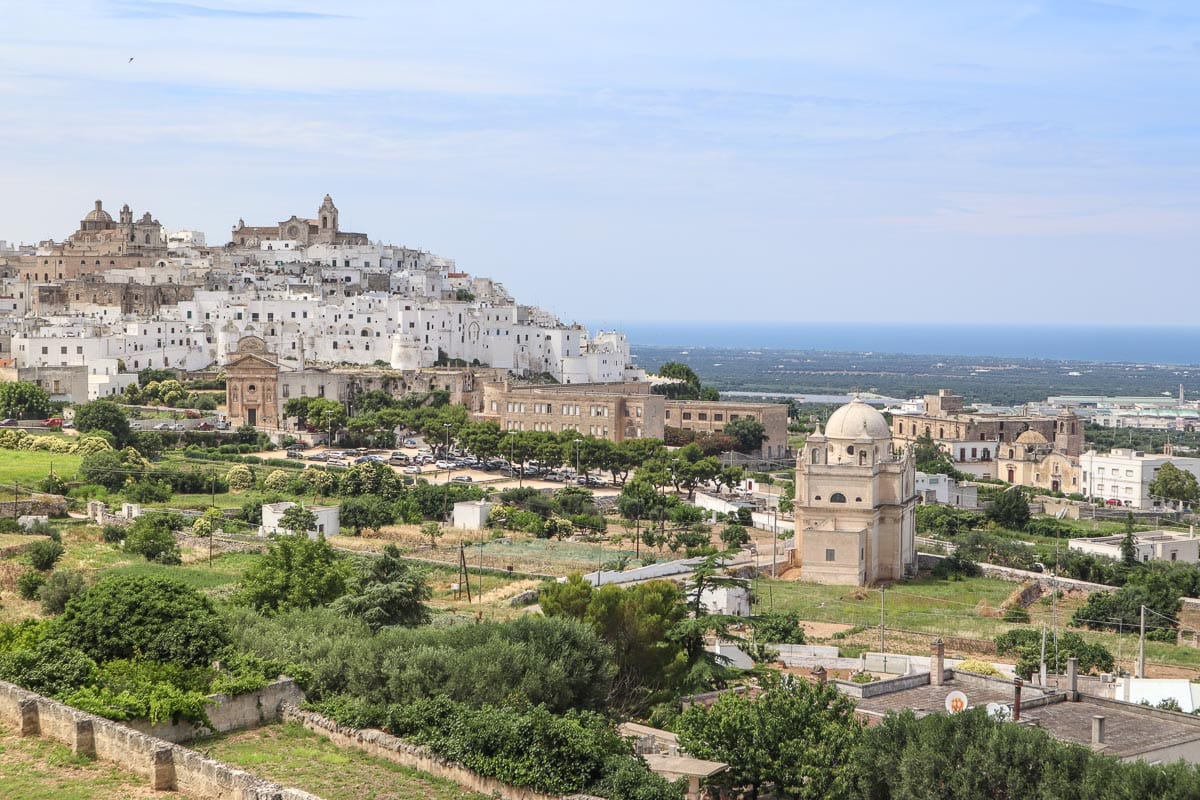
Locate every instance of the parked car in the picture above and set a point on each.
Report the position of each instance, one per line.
(53, 422)
(8, 423)
(204, 426)
(462, 479)
(162, 426)
(414, 470)
(443, 464)
(293, 453)
(410, 442)
(318, 457)
(338, 461)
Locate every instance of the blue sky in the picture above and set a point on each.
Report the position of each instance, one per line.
(780, 161)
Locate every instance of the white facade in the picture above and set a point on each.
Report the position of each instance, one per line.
(328, 519)
(472, 515)
(1125, 475)
(1148, 546)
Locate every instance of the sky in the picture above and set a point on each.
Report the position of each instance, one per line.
(950, 162)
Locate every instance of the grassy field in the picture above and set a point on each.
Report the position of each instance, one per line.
(37, 769)
(28, 467)
(296, 757)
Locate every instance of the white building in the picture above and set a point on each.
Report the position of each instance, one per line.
(1124, 476)
(328, 519)
(944, 490)
(1148, 545)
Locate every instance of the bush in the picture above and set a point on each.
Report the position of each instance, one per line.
(779, 628)
(978, 667)
(59, 588)
(29, 583)
(44, 554)
(50, 667)
(151, 536)
(1016, 614)
(113, 533)
(955, 567)
(148, 491)
(143, 617)
(277, 481)
(52, 484)
(240, 477)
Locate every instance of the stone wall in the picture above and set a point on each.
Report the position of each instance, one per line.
(382, 745)
(164, 765)
(18, 549)
(38, 505)
(229, 713)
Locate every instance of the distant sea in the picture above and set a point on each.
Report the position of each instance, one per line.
(1146, 345)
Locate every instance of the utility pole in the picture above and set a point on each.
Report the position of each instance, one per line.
(1043, 668)
(1141, 665)
(882, 622)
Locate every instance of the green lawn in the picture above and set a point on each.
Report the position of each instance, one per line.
(28, 467)
(38, 769)
(294, 756)
(226, 570)
(950, 608)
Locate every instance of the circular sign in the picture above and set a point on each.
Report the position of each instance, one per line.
(956, 701)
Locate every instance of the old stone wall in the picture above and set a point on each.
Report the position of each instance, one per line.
(163, 764)
(229, 713)
(17, 549)
(39, 505)
(382, 745)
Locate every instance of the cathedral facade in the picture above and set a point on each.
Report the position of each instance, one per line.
(322, 229)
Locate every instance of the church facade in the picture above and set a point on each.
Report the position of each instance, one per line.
(855, 502)
(323, 229)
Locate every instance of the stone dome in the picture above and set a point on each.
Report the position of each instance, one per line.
(98, 214)
(1031, 437)
(855, 419)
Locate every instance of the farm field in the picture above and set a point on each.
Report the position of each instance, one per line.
(295, 756)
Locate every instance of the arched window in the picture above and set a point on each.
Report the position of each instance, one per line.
(862, 458)
(850, 450)
(324, 222)
(816, 456)
(1010, 452)
(837, 497)
(365, 333)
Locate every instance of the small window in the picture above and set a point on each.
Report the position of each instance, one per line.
(830, 554)
(850, 450)
(837, 497)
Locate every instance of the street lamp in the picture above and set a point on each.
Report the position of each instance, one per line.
(446, 493)
(577, 442)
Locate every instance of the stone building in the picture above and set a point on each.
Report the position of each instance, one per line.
(300, 231)
(251, 384)
(855, 502)
(712, 417)
(613, 411)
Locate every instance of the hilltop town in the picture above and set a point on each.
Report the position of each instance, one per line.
(305, 492)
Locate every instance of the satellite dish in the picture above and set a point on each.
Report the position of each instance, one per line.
(997, 710)
(956, 701)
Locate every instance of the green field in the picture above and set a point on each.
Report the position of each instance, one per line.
(38, 769)
(294, 756)
(28, 467)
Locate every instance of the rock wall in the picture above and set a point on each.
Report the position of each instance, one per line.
(164, 765)
(38, 505)
(229, 713)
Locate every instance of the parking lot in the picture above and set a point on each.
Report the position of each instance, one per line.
(420, 463)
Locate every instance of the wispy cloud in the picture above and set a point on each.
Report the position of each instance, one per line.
(148, 9)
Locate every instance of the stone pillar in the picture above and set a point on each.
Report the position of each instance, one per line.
(1097, 731)
(818, 674)
(1016, 700)
(1073, 679)
(28, 723)
(162, 769)
(937, 663)
(83, 739)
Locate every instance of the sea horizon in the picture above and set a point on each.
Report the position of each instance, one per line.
(1142, 344)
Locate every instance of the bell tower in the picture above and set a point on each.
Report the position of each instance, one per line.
(327, 221)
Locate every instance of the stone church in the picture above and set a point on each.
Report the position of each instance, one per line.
(323, 229)
(855, 502)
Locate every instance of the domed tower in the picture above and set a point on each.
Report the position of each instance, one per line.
(1068, 433)
(327, 221)
(855, 502)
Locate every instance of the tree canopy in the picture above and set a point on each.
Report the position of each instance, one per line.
(23, 400)
(1173, 483)
(104, 415)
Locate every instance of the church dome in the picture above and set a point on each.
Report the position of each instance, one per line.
(1031, 437)
(98, 214)
(855, 419)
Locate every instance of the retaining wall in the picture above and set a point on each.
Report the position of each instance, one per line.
(164, 765)
(39, 505)
(18, 549)
(383, 745)
(229, 713)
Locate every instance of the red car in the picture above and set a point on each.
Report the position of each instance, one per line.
(53, 422)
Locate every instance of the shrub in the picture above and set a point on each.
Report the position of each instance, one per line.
(277, 481)
(52, 484)
(151, 536)
(978, 667)
(128, 616)
(148, 491)
(51, 667)
(240, 477)
(113, 533)
(44, 554)
(955, 567)
(780, 628)
(59, 588)
(29, 583)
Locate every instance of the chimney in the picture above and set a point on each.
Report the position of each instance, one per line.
(818, 673)
(1097, 731)
(1016, 711)
(937, 663)
(1073, 679)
